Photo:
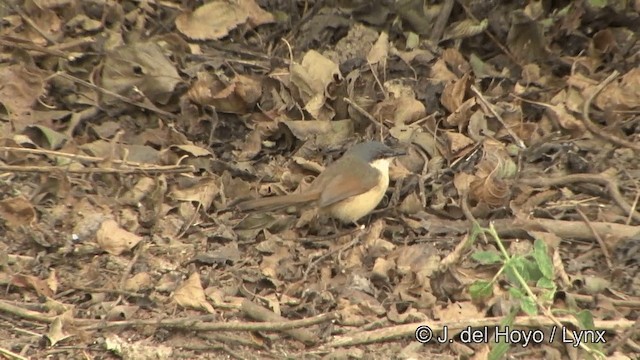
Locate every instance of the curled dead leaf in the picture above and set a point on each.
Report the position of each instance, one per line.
(191, 294)
(114, 239)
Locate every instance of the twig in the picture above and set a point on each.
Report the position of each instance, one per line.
(11, 355)
(363, 112)
(513, 135)
(32, 23)
(610, 184)
(168, 169)
(257, 312)
(28, 45)
(593, 128)
(615, 344)
(490, 35)
(125, 274)
(115, 95)
(603, 246)
(634, 205)
(315, 262)
(206, 323)
(78, 157)
(441, 22)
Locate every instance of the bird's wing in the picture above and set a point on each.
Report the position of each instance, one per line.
(343, 186)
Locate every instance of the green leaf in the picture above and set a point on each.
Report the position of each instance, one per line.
(517, 264)
(598, 3)
(476, 230)
(585, 320)
(541, 254)
(545, 283)
(547, 296)
(486, 257)
(498, 350)
(529, 306)
(532, 269)
(516, 293)
(481, 289)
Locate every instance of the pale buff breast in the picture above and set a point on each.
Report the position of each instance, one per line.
(358, 206)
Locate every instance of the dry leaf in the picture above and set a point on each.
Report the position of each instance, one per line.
(114, 239)
(216, 19)
(191, 294)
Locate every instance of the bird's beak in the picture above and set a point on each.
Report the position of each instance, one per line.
(396, 152)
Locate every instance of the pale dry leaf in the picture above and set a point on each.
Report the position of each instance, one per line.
(114, 239)
(141, 66)
(32, 282)
(20, 92)
(454, 92)
(312, 77)
(202, 192)
(623, 94)
(143, 349)
(464, 29)
(216, 19)
(52, 281)
(380, 50)
(143, 187)
(191, 294)
(56, 331)
(325, 133)
(139, 281)
(456, 61)
(461, 116)
(121, 312)
(457, 142)
(17, 211)
(381, 269)
(441, 73)
(462, 181)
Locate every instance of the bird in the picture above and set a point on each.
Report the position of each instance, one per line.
(347, 190)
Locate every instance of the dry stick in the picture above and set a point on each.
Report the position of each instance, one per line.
(315, 262)
(513, 135)
(622, 339)
(78, 157)
(11, 355)
(592, 299)
(54, 50)
(125, 274)
(203, 323)
(603, 246)
(257, 312)
(363, 112)
(490, 35)
(441, 22)
(454, 327)
(168, 169)
(24, 313)
(593, 128)
(115, 95)
(32, 23)
(564, 229)
(206, 323)
(633, 206)
(610, 184)
(22, 44)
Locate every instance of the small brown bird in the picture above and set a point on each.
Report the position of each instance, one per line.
(348, 189)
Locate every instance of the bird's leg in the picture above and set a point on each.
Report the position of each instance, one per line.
(361, 227)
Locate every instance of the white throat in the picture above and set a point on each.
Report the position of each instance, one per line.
(383, 166)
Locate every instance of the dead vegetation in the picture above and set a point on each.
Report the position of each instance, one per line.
(130, 129)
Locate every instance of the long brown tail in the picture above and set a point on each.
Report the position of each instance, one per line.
(275, 203)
